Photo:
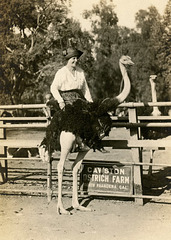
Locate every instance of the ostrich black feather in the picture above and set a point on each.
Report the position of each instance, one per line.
(87, 120)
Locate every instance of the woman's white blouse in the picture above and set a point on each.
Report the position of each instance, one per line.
(64, 80)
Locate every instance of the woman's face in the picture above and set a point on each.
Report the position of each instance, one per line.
(72, 62)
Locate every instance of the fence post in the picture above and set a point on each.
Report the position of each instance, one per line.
(136, 155)
(49, 178)
(49, 163)
(3, 163)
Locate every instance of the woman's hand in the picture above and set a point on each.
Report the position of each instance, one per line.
(61, 105)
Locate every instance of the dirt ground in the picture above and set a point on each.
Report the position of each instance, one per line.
(30, 217)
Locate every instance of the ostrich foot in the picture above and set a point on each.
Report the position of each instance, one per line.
(103, 150)
(82, 209)
(62, 211)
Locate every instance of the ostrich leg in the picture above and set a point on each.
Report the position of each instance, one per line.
(76, 167)
(66, 140)
(152, 79)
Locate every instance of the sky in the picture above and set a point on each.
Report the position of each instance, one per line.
(125, 10)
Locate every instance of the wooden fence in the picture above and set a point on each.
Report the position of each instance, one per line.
(135, 143)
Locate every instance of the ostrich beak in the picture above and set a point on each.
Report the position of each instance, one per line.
(130, 62)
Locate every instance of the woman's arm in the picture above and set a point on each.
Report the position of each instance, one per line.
(55, 92)
(55, 86)
(86, 91)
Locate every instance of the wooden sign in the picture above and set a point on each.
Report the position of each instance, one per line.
(106, 178)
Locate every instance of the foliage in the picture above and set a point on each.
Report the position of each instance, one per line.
(164, 53)
(152, 47)
(26, 46)
(34, 34)
(105, 31)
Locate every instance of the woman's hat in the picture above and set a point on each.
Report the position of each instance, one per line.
(72, 52)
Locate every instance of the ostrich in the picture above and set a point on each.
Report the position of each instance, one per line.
(67, 140)
(154, 133)
(101, 120)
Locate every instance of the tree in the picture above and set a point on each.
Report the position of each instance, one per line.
(11, 45)
(164, 53)
(105, 33)
(26, 46)
(148, 23)
(34, 35)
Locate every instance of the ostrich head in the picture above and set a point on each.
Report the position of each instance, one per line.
(153, 77)
(126, 60)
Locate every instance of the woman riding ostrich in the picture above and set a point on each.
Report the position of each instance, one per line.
(79, 124)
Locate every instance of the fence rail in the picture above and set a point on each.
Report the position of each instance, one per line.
(23, 106)
(127, 105)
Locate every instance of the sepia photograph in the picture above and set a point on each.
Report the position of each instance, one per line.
(85, 119)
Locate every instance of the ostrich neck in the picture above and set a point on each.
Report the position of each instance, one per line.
(153, 91)
(127, 86)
